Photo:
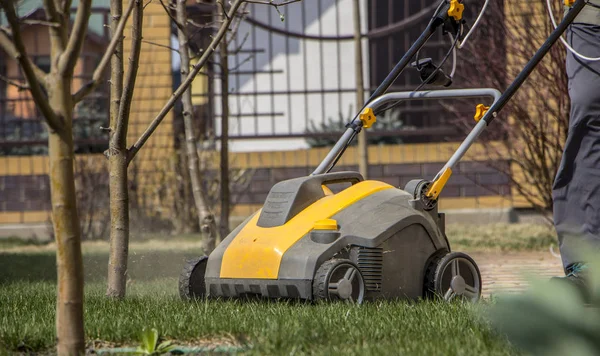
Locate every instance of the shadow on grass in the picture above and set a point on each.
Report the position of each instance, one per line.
(41, 267)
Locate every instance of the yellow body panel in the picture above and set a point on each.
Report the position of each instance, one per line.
(256, 252)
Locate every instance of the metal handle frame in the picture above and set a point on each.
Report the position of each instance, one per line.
(439, 18)
(386, 99)
(499, 102)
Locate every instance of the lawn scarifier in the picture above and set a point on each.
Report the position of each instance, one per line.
(370, 240)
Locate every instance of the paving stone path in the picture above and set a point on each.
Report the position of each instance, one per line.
(502, 272)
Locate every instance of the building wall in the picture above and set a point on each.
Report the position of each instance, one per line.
(24, 188)
(282, 84)
(37, 42)
(474, 184)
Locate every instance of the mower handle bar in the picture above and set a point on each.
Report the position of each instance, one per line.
(379, 103)
(385, 99)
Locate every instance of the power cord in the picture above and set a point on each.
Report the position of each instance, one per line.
(451, 51)
(435, 14)
(485, 5)
(571, 49)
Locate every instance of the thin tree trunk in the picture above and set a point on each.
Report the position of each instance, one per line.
(69, 313)
(224, 220)
(121, 98)
(363, 150)
(119, 226)
(204, 215)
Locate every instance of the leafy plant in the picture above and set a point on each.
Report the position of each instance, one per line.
(150, 346)
(387, 121)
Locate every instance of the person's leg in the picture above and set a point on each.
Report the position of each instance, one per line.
(576, 191)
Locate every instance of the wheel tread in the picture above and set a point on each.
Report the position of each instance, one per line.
(185, 291)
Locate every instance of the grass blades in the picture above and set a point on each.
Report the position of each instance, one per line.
(28, 297)
(27, 323)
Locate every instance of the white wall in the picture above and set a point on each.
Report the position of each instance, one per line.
(325, 70)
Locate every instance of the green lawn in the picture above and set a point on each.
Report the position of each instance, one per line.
(27, 305)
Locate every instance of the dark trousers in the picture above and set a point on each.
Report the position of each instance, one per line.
(576, 191)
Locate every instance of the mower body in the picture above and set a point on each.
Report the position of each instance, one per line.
(278, 251)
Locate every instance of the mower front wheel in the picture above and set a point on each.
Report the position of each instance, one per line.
(339, 279)
(191, 280)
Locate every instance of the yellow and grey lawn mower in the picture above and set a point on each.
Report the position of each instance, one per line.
(368, 241)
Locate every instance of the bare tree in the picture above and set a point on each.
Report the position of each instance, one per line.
(123, 157)
(534, 123)
(205, 216)
(225, 192)
(120, 108)
(53, 95)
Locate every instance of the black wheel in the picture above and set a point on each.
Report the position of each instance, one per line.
(339, 279)
(453, 276)
(191, 280)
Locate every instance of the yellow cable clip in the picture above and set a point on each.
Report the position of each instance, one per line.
(480, 112)
(569, 2)
(437, 186)
(368, 118)
(456, 10)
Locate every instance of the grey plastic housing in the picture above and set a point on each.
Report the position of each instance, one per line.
(288, 198)
(395, 241)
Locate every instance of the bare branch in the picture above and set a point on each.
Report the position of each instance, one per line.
(183, 86)
(134, 60)
(117, 36)
(239, 48)
(20, 86)
(237, 24)
(233, 11)
(160, 45)
(179, 26)
(7, 44)
(41, 22)
(68, 59)
(242, 63)
(212, 24)
(20, 54)
(6, 31)
(222, 4)
(58, 35)
(272, 3)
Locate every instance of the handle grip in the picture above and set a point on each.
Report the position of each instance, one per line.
(339, 177)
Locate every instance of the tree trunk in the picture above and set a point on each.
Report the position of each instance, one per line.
(204, 215)
(119, 224)
(119, 213)
(69, 313)
(363, 150)
(224, 220)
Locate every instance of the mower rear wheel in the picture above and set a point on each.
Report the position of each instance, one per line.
(454, 276)
(339, 279)
(191, 280)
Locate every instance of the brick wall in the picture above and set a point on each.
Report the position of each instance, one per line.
(470, 179)
(24, 193)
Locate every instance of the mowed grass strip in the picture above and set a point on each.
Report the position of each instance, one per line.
(27, 305)
(427, 328)
(27, 315)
